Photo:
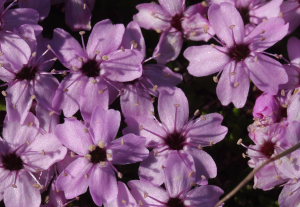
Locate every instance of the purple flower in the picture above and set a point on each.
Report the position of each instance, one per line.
(24, 67)
(176, 22)
(97, 153)
(93, 68)
(177, 133)
(291, 13)
(124, 198)
(269, 141)
(241, 57)
(135, 96)
(43, 7)
(25, 151)
(267, 109)
(178, 193)
(254, 12)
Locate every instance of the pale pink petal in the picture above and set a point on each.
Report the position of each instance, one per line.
(289, 195)
(103, 177)
(266, 73)
(48, 150)
(93, 95)
(207, 196)
(266, 34)
(233, 85)
(17, 134)
(45, 88)
(151, 169)
(173, 7)
(178, 178)
(207, 130)
(74, 179)
(74, 135)
(104, 39)
(24, 194)
(123, 65)
(128, 149)
(173, 109)
(268, 10)
(105, 124)
(204, 164)
(227, 23)
(68, 94)
(152, 16)
(67, 49)
(141, 189)
(133, 38)
(168, 47)
(206, 60)
(124, 198)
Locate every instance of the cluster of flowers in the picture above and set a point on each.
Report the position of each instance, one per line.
(40, 154)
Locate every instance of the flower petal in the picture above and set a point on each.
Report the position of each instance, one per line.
(103, 177)
(294, 50)
(74, 135)
(233, 85)
(73, 180)
(123, 65)
(104, 38)
(173, 7)
(207, 130)
(178, 177)
(206, 60)
(24, 194)
(266, 73)
(207, 196)
(227, 23)
(152, 16)
(105, 125)
(168, 47)
(173, 109)
(129, 149)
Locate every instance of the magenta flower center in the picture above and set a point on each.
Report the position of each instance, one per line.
(175, 202)
(244, 11)
(12, 162)
(176, 22)
(239, 52)
(268, 148)
(175, 141)
(27, 73)
(91, 68)
(98, 155)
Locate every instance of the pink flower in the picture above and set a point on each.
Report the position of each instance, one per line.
(241, 58)
(97, 152)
